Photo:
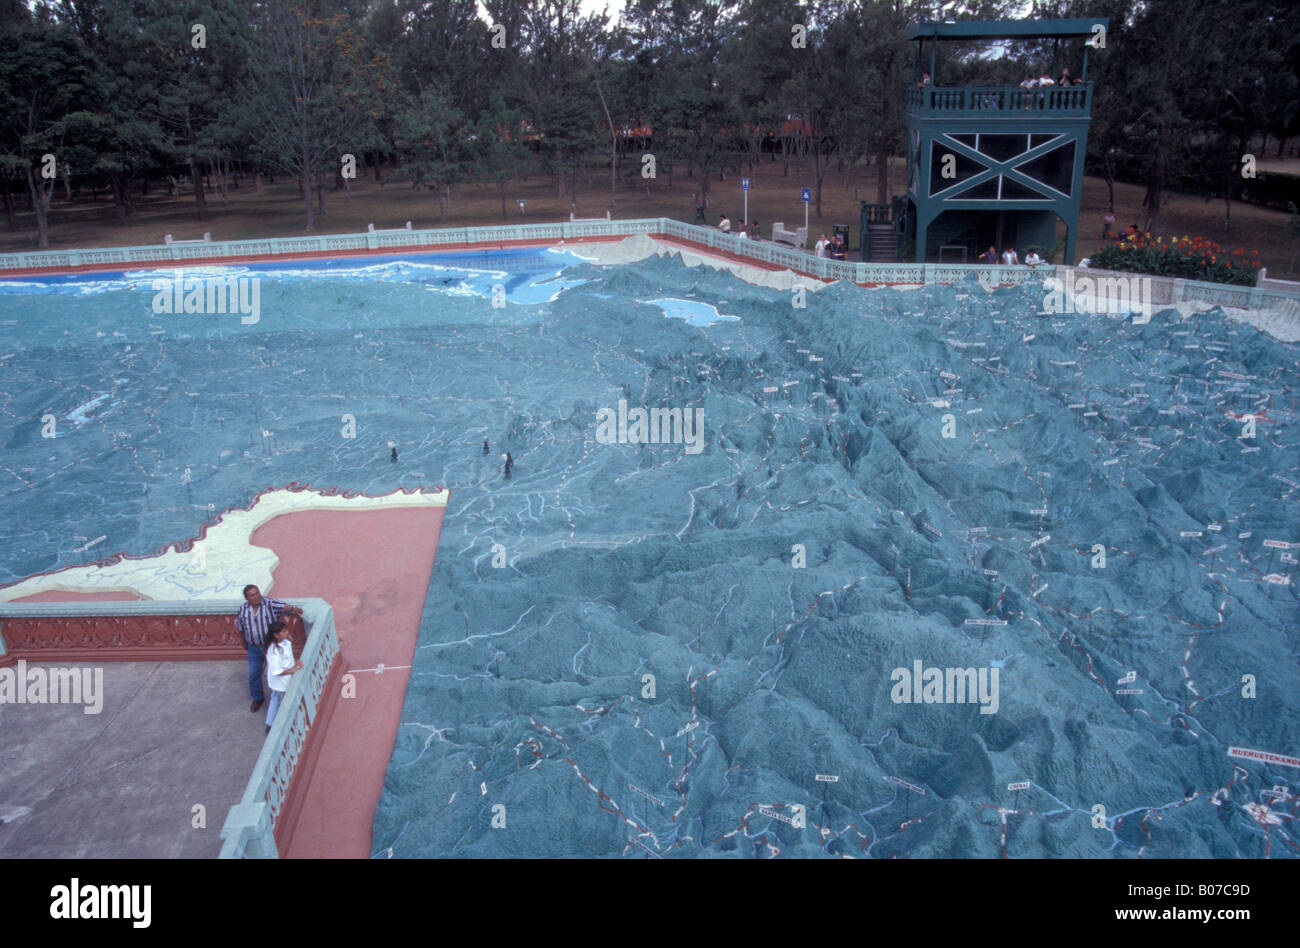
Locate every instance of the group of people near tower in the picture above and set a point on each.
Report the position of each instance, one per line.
(1009, 257)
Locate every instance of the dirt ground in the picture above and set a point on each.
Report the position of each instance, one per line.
(277, 210)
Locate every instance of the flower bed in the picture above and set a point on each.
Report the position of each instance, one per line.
(1191, 258)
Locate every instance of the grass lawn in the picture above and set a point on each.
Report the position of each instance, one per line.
(277, 210)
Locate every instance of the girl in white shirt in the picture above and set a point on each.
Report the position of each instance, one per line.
(280, 667)
(821, 245)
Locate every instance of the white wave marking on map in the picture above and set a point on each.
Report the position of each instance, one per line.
(220, 564)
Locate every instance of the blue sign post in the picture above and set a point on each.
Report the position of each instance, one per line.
(744, 186)
(806, 197)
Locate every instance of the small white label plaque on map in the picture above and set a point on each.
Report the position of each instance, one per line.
(826, 778)
(1265, 756)
(1128, 679)
(986, 621)
(1019, 785)
(769, 812)
(910, 786)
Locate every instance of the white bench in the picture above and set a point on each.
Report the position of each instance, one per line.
(206, 239)
(391, 230)
(795, 238)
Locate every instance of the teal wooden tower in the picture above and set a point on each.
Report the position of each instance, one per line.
(995, 165)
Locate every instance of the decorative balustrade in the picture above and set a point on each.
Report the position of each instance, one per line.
(87, 631)
(1270, 296)
(982, 100)
(249, 830)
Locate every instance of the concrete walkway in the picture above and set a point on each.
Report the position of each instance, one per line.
(173, 735)
(123, 783)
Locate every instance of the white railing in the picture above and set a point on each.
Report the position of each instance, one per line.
(1268, 296)
(1269, 283)
(249, 830)
(1166, 291)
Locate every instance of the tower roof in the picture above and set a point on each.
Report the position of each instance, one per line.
(1005, 29)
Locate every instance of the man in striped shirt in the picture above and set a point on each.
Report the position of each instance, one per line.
(254, 616)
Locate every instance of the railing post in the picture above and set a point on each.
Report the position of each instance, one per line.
(250, 823)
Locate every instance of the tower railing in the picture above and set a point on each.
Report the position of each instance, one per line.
(982, 100)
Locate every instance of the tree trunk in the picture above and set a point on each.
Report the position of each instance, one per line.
(320, 194)
(67, 182)
(613, 143)
(1155, 183)
(819, 171)
(304, 191)
(40, 195)
(119, 197)
(218, 175)
(501, 185)
(882, 155)
(442, 204)
(378, 158)
(201, 202)
(9, 205)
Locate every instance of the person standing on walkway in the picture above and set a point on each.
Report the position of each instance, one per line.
(510, 463)
(253, 622)
(280, 667)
